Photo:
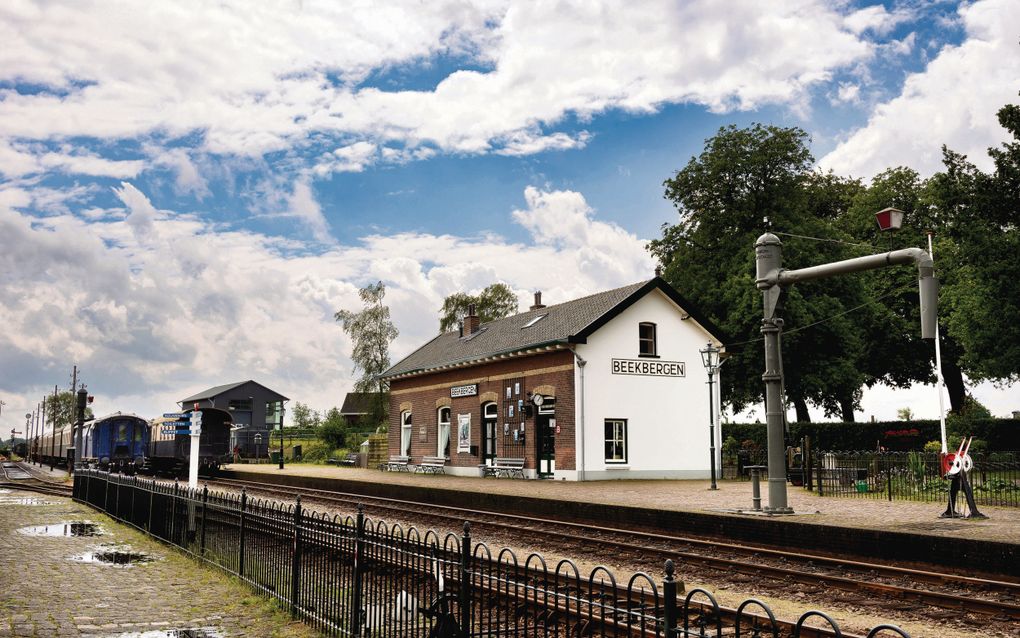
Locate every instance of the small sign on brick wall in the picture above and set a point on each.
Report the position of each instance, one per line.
(463, 390)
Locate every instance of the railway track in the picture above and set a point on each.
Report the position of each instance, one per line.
(18, 475)
(894, 584)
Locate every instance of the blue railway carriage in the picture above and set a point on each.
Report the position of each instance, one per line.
(170, 453)
(116, 442)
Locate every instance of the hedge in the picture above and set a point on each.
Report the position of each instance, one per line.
(1001, 434)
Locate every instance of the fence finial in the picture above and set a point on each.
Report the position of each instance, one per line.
(670, 569)
(467, 527)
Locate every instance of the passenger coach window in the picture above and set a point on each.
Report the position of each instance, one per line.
(646, 340)
(405, 433)
(616, 441)
(443, 449)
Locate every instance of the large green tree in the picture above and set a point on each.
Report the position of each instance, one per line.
(494, 302)
(977, 219)
(893, 354)
(371, 333)
(748, 181)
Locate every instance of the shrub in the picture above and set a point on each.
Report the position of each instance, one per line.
(934, 447)
(332, 434)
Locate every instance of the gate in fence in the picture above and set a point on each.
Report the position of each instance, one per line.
(351, 576)
(915, 476)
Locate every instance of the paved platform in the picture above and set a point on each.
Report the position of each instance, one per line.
(44, 591)
(1002, 524)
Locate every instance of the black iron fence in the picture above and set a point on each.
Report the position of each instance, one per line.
(734, 466)
(917, 476)
(351, 576)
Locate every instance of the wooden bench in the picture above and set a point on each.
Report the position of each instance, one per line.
(397, 464)
(431, 465)
(510, 468)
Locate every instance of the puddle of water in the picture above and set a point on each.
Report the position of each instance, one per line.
(23, 500)
(64, 529)
(120, 556)
(203, 632)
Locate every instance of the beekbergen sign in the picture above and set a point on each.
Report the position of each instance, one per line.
(649, 368)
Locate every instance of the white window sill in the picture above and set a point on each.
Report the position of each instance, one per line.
(617, 467)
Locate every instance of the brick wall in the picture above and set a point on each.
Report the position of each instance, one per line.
(554, 369)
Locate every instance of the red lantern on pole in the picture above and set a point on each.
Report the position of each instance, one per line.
(889, 218)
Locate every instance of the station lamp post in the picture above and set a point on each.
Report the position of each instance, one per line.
(258, 442)
(710, 359)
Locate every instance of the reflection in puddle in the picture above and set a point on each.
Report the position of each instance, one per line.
(23, 500)
(122, 556)
(63, 529)
(204, 632)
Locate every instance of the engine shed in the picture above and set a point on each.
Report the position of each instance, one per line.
(608, 386)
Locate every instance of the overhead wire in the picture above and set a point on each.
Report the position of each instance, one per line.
(820, 321)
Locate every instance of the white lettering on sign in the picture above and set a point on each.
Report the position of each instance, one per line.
(644, 367)
(464, 390)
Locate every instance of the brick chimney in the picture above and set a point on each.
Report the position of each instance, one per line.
(538, 301)
(471, 321)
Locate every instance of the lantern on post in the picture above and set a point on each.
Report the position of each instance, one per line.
(889, 219)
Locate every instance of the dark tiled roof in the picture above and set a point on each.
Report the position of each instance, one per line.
(357, 402)
(571, 321)
(223, 389)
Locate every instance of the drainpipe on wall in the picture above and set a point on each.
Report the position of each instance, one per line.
(579, 430)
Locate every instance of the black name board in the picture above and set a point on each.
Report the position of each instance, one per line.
(649, 368)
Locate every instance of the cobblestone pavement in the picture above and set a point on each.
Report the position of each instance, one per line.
(44, 592)
(1002, 524)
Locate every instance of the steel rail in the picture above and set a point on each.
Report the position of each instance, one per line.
(31, 483)
(966, 602)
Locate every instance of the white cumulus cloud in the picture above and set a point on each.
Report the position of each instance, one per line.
(953, 101)
(157, 304)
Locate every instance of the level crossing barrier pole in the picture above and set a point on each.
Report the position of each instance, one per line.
(295, 565)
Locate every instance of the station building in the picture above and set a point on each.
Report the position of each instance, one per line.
(608, 386)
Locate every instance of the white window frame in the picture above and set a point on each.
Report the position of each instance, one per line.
(406, 427)
(443, 427)
(494, 415)
(618, 435)
(653, 341)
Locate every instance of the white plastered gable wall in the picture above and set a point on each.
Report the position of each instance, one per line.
(667, 417)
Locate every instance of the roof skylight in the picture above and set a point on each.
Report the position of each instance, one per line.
(534, 320)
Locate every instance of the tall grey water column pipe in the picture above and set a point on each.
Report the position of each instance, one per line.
(770, 278)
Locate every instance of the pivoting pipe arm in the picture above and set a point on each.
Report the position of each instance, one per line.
(770, 274)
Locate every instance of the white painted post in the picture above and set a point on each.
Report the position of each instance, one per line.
(196, 433)
(940, 383)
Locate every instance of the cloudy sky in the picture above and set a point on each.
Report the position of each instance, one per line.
(189, 191)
